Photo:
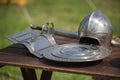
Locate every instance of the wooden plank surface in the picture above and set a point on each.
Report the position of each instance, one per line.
(18, 55)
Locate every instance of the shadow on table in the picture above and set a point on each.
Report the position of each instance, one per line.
(70, 64)
(115, 62)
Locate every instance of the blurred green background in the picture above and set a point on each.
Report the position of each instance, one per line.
(65, 14)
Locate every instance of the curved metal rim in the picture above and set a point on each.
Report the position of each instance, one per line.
(115, 43)
(49, 56)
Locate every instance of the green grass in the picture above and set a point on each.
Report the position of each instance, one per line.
(65, 14)
(10, 73)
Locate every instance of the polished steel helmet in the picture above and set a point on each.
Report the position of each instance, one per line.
(95, 28)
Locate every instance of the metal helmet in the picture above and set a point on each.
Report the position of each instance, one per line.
(96, 28)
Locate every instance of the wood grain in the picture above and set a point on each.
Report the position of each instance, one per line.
(18, 55)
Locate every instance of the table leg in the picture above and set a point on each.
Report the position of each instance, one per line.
(28, 74)
(32, 74)
(24, 74)
(1, 65)
(46, 75)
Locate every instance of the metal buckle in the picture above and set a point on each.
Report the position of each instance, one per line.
(48, 27)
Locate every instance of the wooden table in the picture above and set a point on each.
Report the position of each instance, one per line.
(18, 55)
